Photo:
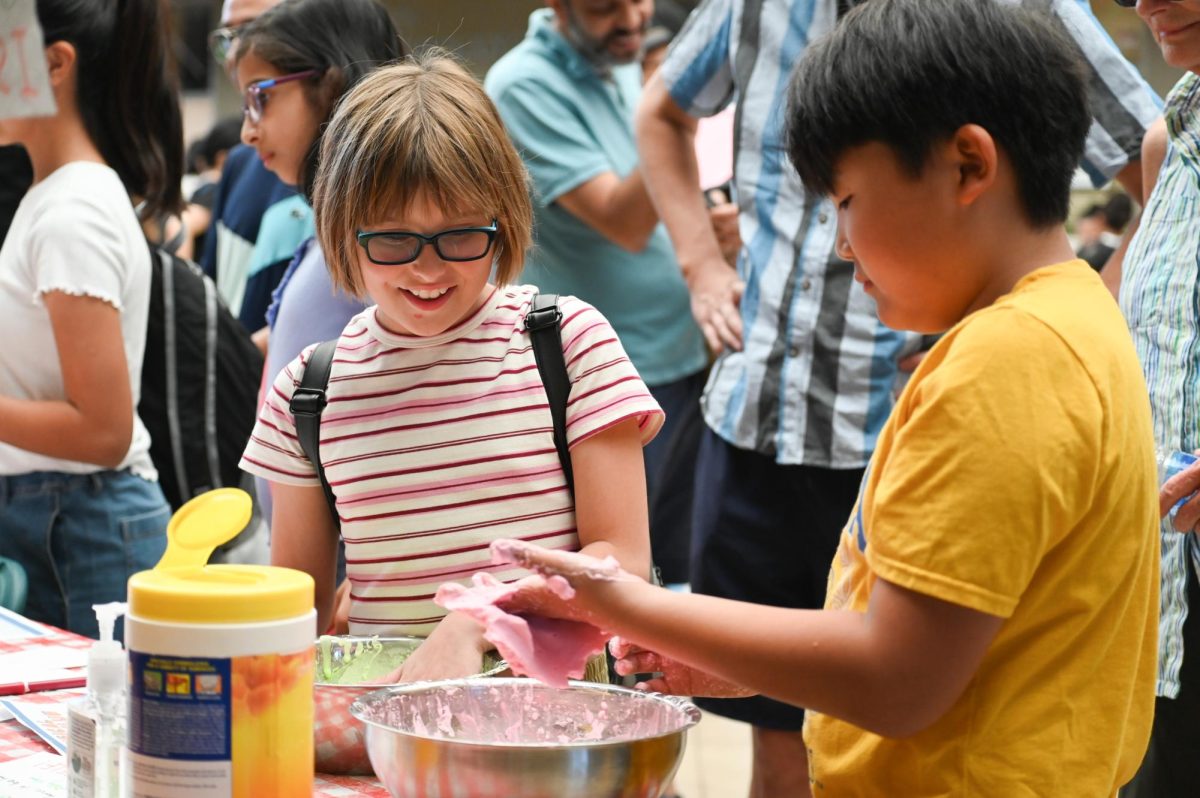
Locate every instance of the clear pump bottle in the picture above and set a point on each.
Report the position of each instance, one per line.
(96, 722)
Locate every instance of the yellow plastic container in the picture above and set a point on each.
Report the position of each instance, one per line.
(220, 667)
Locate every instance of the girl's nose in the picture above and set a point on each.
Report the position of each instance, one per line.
(428, 265)
(842, 247)
(249, 130)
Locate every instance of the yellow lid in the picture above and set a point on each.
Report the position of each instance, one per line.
(220, 594)
(183, 588)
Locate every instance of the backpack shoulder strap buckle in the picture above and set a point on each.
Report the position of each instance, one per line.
(308, 402)
(543, 312)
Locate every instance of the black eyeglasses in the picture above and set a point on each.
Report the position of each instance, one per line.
(1132, 3)
(397, 247)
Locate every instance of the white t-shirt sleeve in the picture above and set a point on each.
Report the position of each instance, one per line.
(605, 386)
(75, 248)
(274, 452)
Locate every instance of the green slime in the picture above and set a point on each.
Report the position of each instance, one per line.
(345, 662)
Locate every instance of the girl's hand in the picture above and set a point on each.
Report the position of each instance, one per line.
(454, 651)
(675, 678)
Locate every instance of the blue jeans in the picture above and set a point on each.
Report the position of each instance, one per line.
(80, 537)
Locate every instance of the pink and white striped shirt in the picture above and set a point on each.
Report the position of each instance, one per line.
(436, 446)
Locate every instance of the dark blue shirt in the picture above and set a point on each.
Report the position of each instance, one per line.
(247, 189)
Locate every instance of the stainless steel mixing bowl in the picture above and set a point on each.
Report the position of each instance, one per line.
(501, 738)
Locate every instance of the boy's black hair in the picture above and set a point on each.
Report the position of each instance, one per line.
(909, 73)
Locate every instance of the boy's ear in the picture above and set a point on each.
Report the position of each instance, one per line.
(974, 152)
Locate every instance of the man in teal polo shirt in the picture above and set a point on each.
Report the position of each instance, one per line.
(567, 94)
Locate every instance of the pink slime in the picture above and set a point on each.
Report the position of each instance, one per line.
(548, 649)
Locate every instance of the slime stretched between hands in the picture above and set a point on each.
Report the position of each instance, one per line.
(550, 650)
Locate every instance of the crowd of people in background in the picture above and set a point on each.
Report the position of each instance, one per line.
(737, 327)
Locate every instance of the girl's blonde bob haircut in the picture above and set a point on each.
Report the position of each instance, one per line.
(421, 129)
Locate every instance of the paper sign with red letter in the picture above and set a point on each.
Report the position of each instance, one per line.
(24, 84)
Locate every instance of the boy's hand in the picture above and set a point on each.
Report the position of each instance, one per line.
(453, 651)
(536, 597)
(592, 580)
(675, 678)
(1175, 489)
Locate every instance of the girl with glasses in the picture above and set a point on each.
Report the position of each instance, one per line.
(80, 506)
(437, 437)
(292, 65)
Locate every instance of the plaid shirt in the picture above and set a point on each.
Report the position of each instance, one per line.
(814, 382)
(1158, 296)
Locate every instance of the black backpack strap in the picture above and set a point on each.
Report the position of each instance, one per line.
(542, 322)
(308, 402)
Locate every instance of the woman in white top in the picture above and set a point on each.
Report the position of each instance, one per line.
(80, 507)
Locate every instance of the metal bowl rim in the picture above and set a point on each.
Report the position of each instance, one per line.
(690, 711)
(500, 667)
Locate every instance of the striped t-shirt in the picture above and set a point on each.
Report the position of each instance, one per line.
(1159, 297)
(437, 446)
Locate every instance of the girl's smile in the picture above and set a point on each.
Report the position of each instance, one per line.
(427, 299)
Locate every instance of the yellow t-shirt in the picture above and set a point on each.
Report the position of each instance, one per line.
(1016, 477)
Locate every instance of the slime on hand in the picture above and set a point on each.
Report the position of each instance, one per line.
(515, 552)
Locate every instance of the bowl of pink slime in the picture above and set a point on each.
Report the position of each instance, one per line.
(504, 737)
(546, 737)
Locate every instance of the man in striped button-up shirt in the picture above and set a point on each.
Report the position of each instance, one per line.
(807, 372)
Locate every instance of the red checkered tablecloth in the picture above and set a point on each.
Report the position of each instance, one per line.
(17, 742)
(59, 638)
(348, 786)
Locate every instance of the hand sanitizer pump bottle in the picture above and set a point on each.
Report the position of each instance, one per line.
(96, 722)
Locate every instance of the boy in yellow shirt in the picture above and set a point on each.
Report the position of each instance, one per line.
(990, 624)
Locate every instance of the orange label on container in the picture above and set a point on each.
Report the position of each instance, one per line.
(235, 727)
(272, 725)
